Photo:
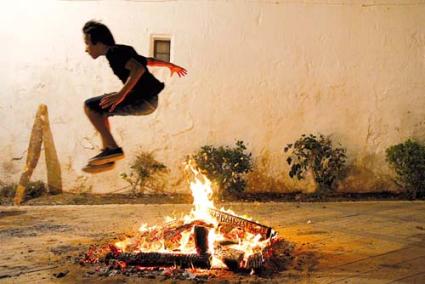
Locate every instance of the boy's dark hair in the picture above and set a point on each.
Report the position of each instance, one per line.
(98, 33)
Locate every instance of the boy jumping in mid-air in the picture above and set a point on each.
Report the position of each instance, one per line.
(138, 96)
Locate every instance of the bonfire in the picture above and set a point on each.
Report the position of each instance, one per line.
(206, 238)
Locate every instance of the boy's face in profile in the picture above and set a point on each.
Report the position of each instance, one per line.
(94, 50)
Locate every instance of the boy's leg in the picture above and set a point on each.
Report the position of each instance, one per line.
(134, 104)
(99, 118)
(101, 123)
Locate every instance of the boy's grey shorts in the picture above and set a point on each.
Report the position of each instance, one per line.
(133, 104)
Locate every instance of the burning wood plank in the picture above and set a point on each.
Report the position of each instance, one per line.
(174, 228)
(150, 259)
(200, 260)
(249, 226)
(172, 232)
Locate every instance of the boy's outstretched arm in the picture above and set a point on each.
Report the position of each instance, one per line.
(173, 68)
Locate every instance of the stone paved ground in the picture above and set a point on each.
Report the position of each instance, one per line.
(342, 242)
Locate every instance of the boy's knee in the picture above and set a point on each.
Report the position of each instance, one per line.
(92, 106)
(86, 107)
(89, 105)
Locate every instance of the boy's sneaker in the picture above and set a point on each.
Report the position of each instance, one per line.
(106, 156)
(92, 169)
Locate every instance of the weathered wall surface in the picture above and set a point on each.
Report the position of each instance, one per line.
(261, 71)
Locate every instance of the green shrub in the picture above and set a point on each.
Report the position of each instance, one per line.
(7, 192)
(35, 189)
(326, 163)
(32, 190)
(224, 165)
(408, 161)
(146, 174)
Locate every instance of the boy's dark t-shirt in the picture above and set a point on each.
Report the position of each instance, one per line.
(118, 55)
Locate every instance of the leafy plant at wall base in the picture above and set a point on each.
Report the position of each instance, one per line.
(225, 165)
(408, 161)
(146, 174)
(316, 153)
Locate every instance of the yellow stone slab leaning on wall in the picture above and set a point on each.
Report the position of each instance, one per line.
(41, 133)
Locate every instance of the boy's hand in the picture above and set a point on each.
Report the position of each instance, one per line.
(177, 69)
(111, 100)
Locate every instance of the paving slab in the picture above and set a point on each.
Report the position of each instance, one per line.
(335, 242)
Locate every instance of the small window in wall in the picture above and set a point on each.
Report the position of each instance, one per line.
(161, 49)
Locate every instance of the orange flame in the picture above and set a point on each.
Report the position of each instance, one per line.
(151, 240)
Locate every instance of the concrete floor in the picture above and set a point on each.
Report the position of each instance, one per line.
(343, 242)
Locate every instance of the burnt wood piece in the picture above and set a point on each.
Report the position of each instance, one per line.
(201, 239)
(233, 258)
(149, 259)
(227, 242)
(249, 226)
(255, 261)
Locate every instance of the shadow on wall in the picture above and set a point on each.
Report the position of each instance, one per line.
(260, 179)
(264, 178)
(359, 178)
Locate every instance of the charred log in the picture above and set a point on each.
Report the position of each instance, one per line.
(201, 239)
(149, 259)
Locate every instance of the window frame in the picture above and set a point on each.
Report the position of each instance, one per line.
(161, 37)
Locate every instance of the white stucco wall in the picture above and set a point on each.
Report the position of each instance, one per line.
(261, 71)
